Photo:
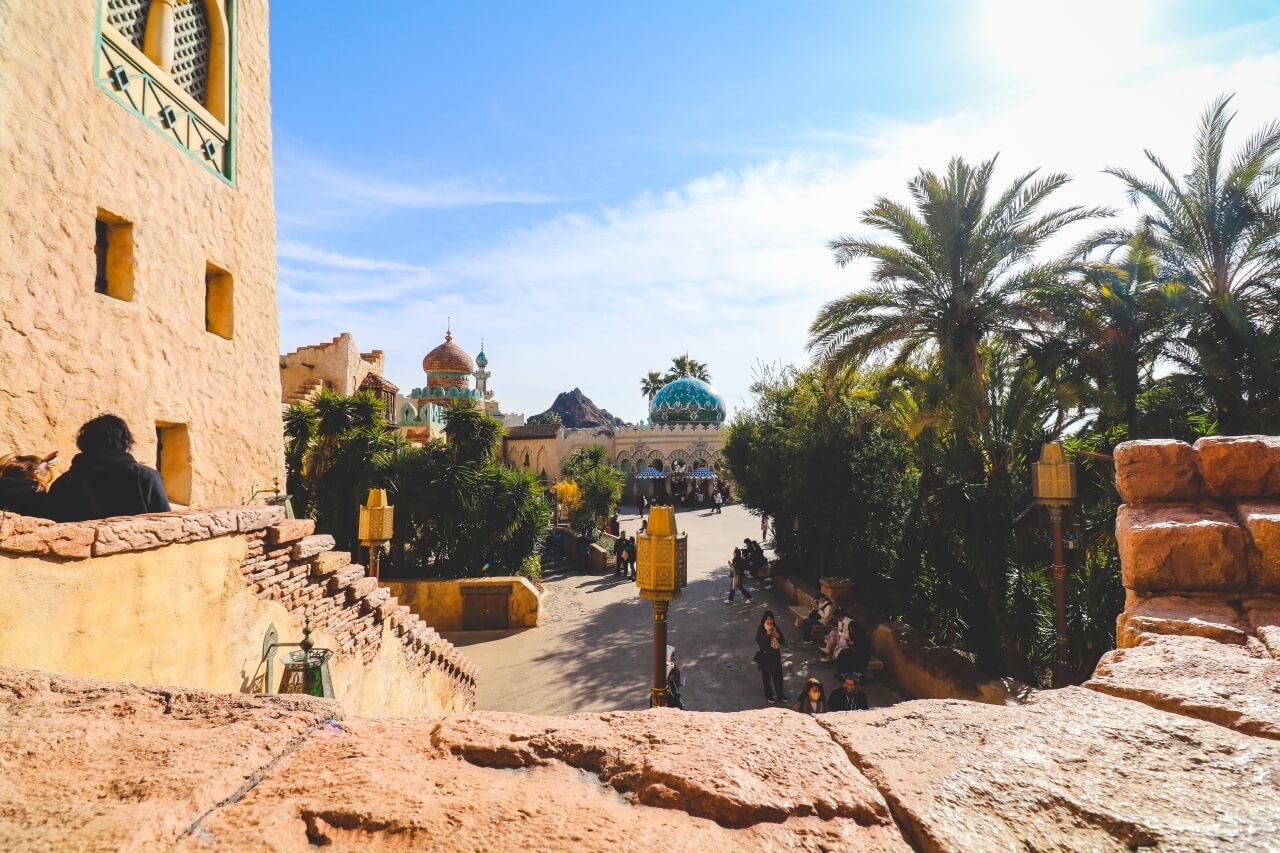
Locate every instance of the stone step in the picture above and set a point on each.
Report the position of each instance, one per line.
(346, 577)
(329, 562)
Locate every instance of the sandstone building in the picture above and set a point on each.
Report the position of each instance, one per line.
(138, 272)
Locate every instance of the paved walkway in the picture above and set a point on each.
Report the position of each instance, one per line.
(592, 650)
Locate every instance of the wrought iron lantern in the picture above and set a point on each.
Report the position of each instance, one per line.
(306, 671)
(1053, 482)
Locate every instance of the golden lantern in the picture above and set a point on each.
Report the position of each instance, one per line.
(1053, 482)
(377, 519)
(662, 571)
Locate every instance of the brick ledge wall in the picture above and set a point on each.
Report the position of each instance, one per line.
(286, 562)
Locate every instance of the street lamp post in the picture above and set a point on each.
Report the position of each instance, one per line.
(662, 571)
(1053, 481)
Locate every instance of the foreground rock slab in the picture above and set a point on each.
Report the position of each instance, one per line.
(87, 764)
(382, 785)
(1233, 686)
(1072, 770)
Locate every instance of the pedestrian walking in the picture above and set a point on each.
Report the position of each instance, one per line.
(718, 500)
(769, 643)
(675, 680)
(738, 575)
(631, 556)
(811, 700)
(764, 527)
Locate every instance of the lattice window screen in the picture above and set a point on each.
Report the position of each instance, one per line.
(129, 17)
(191, 43)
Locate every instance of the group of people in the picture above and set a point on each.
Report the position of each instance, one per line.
(624, 556)
(104, 479)
(813, 700)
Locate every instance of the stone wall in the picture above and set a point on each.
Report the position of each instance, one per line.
(1199, 542)
(439, 602)
(186, 598)
(67, 353)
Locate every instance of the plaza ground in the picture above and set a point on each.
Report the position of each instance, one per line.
(592, 651)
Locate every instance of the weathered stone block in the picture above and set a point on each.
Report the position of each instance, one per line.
(1264, 620)
(1211, 618)
(1160, 471)
(20, 534)
(290, 530)
(1235, 467)
(361, 587)
(209, 524)
(1262, 520)
(328, 562)
(1180, 549)
(137, 533)
(256, 518)
(310, 546)
(1223, 684)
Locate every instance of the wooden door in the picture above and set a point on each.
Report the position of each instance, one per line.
(485, 608)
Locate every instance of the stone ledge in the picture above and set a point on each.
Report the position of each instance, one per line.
(20, 534)
(1208, 617)
(1181, 548)
(1156, 471)
(1238, 467)
(1228, 685)
(311, 546)
(290, 530)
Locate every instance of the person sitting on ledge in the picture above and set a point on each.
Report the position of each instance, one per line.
(104, 480)
(24, 483)
(811, 700)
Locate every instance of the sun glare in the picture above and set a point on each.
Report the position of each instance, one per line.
(1045, 40)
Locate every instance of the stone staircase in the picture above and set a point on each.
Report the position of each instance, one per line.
(289, 563)
(305, 391)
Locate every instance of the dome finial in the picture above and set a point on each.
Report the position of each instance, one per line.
(448, 329)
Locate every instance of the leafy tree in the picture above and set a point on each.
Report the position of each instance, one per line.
(652, 383)
(1217, 234)
(953, 280)
(599, 486)
(683, 365)
(459, 513)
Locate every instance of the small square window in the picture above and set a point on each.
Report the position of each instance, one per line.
(173, 461)
(113, 248)
(219, 302)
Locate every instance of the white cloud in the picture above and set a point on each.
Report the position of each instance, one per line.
(733, 266)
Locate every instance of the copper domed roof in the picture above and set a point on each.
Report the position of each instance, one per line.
(448, 358)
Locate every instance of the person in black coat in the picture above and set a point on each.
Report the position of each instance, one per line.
(104, 480)
(22, 485)
(769, 643)
(850, 698)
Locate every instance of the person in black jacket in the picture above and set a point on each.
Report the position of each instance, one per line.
(23, 480)
(769, 643)
(856, 654)
(851, 698)
(104, 479)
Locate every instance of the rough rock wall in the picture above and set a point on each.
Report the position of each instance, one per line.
(186, 598)
(98, 765)
(68, 353)
(1199, 541)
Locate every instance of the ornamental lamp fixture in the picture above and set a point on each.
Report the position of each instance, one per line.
(377, 519)
(1053, 482)
(662, 571)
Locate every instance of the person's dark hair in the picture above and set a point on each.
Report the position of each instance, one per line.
(768, 614)
(21, 468)
(104, 433)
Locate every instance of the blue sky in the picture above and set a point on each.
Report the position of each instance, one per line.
(593, 188)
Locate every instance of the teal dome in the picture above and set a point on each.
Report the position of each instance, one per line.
(687, 401)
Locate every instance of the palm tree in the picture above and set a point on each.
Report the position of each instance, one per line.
(683, 365)
(955, 277)
(1113, 321)
(1217, 233)
(652, 383)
